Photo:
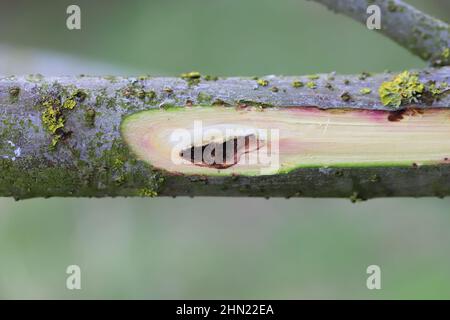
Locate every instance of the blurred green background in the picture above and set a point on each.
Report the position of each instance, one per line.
(213, 247)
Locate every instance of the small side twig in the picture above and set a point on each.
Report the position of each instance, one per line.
(420, 33)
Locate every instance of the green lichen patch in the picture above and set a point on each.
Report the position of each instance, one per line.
(443, 59)
(211, 78)
(168, 90)
(110, 78)
(40, 180)
(14, 93)
(146, 192)
(297, 84)
(220, 102)
(113, 172)
(69, 104)
(313, 77)
(274, 89)
(54, 114)
(135, 90)
(406, 88)
(257, 104)
(364, 75)
(204, 98)
(150, 95)
(117, 168)
(89, 117)
(53, 119)
(365, 91)
(168, 106)
(311, 85)
(392, 6)
(131, 91)
(79, 95)
(346, 96)
(262, 82)
(141, 94)
(192, 78)
(434, 89)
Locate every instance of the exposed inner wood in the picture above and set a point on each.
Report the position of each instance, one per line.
(305, 137)
(221, 155)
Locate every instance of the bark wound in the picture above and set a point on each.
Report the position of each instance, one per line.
(222, 155)
(395, 116)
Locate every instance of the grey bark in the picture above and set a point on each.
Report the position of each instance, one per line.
(91, 160)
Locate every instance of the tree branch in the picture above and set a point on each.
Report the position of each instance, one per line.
(422, 34)
(61, 136)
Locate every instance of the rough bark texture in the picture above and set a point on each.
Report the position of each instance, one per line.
(61, 137)
(423, 35)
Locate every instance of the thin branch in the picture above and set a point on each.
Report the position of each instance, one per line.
(61, 136)
(422, 34)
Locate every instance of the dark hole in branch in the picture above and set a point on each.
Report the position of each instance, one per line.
(221, 155)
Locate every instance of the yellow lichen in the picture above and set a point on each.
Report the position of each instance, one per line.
(405, 88)
(313, 77)
(365, 91)
(146, 192)
(118, 163)
(297, 84)
(51, 117)
(446, 53)
(191, 75)
(54, 142)
(192, 78)
(263, 83)
(434, 90)
(443, 59)
(69, 104)
(311, 85)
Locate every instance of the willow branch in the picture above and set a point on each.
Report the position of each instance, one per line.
(61, 136)
(420, 33)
